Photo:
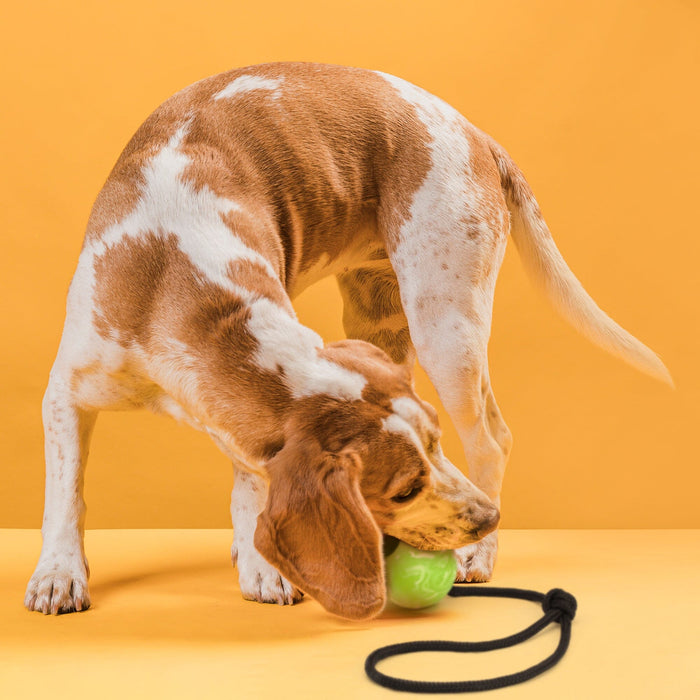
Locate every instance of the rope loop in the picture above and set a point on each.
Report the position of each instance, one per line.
(558, 606)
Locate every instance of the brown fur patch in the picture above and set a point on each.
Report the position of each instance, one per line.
(317, 530)
(396, 344)
(389, 461)
(385, 378)
(373, 294)
(372, 310)
(256, 279)
(310, 164)
(128, 277)
(148, 292)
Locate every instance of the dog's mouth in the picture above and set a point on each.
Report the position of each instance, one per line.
(389, 545)
(443, 538)
(424, 542)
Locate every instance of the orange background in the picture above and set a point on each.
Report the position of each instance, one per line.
(597, 102)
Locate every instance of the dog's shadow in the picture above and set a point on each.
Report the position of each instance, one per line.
(202, 602)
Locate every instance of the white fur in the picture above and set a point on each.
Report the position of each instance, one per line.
(394, 423)
(246, 83)
(171, 205)
(438, 210)
(286, 344)
(60, 579)
(414, 414)
(258, 579)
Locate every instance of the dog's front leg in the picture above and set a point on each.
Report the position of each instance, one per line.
(258, 579)
(60, 581)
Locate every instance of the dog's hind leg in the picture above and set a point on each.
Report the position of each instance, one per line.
(446, 255)
(60, 581)
(452, 337)
(449, 319)
(372, 310)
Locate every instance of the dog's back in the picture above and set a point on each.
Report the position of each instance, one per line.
(305, 149)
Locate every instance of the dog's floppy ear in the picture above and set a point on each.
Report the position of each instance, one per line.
(318, 532)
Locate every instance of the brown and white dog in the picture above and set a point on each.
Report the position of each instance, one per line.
(234, 196)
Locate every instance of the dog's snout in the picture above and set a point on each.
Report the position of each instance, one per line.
(483, 522)
(490, 522)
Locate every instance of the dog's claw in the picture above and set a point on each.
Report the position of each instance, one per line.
(55, 592)
(475, 562)
(261, 582)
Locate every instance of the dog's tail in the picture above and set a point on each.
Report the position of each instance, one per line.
(546, 266)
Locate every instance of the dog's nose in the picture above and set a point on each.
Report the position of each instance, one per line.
(490, 522)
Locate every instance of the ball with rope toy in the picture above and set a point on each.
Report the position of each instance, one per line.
(417, 578)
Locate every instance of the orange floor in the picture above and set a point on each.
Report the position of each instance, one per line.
(168, 622)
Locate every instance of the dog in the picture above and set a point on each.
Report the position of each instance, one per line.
(235, 195)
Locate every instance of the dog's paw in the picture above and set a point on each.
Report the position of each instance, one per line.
(475, 562)
(53, 591)
(261, 582)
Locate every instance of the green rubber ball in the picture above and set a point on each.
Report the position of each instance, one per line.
(417, 578)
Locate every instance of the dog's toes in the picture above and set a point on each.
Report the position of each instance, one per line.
(282, 592)
(262, 583)
(57, 592)
(272, 589)
(475, 562)
(471, 573)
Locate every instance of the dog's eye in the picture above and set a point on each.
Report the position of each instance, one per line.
(406, 494)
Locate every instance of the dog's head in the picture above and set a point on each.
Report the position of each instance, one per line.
(350, 470)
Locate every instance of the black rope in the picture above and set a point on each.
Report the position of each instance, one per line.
(558, 605)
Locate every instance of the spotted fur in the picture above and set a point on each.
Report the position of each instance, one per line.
(235, 195)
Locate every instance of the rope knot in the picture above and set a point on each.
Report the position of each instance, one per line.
(558, 599)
